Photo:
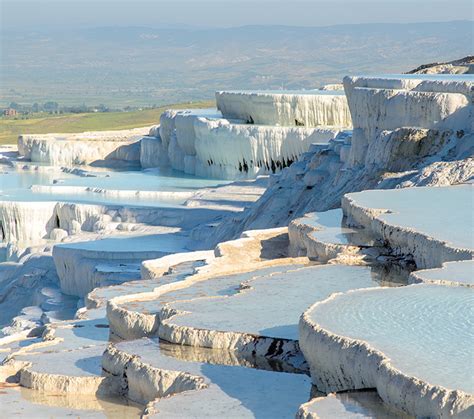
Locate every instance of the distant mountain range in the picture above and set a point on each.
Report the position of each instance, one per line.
(120, 66)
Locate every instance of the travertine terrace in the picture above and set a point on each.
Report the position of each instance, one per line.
(331, 278)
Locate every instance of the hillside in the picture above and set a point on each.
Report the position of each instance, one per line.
(137, 66)
(43, 124)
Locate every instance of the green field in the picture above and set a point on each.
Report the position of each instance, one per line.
(11, 128)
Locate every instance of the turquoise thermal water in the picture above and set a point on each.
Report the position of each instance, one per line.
(15, 186)
(441, 212)
(427, 331)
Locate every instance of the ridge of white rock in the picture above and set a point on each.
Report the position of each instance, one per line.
(201, 142)
(114, 193)
(82, 148)
(309, 108)
(463, 65)
(383, 104)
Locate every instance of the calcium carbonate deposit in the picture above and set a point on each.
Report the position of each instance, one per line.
(287, 254)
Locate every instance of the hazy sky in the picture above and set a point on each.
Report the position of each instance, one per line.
(218, 13)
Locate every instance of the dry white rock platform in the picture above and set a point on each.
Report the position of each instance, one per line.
(139, 315)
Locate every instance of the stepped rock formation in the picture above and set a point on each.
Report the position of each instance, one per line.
(302, 293)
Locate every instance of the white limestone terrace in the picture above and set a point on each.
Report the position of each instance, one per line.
(137, 313)
(67, 358)
(140, 234)
(309, 108)
(316, 183)
(203, 143)
(451, 273)
(414, 346)
(101, 244)
(323, 236)
(262, 317)
(76, 263)
(173, 267)
(143, 310)
(354, 404)
(433, 154)
(78, 346)
(83, 148)
(380, 104)
(433, 224)
(59, 374)
(172, 387)
(407, 148)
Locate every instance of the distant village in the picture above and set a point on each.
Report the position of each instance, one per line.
(16, 110)
(21, 111)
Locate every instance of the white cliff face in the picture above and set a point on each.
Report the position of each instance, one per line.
(202, 143)
(388, 103)
(152, 152)
(242, 150)
(178, 137)
(26, 222)
(310, 108)
(34, 222)
(83, 148)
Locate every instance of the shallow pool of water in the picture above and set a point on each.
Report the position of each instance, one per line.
(273, 304)
(427, 331)
(444, 213)
(16, 185)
